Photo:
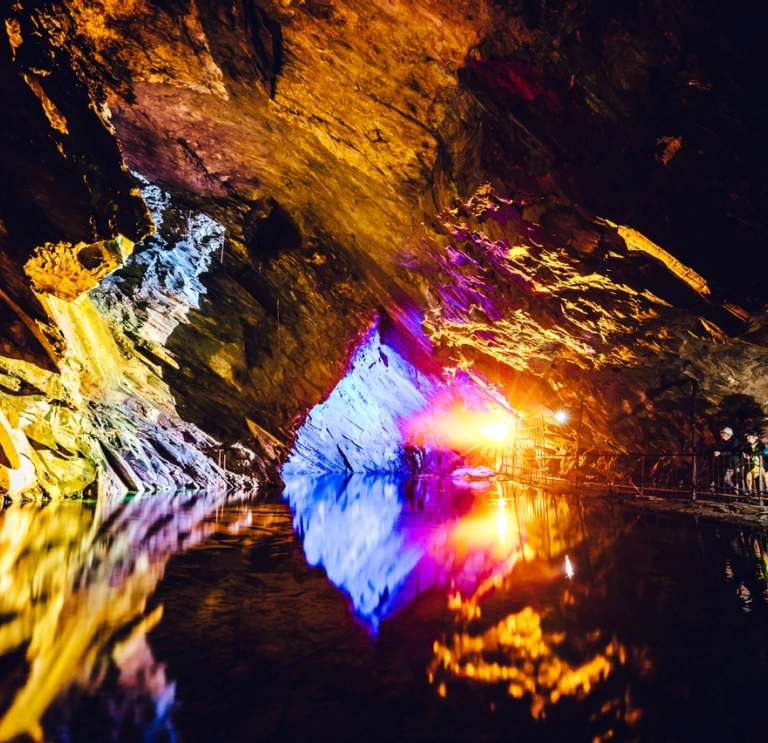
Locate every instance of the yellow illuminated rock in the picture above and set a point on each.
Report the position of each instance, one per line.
(17, 472)
(67, 271)
(53, 114)
(637, 241)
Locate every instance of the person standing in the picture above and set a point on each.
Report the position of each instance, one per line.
(728, 461)
(756, 477)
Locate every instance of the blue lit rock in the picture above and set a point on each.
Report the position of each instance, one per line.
(388, 416)
(359, 427)
(161, 282)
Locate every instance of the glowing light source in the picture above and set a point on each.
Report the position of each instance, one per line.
(561, 416)
(569, 571)
(496, 431)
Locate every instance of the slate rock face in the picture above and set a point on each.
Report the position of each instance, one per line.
(61, 169)
(565, 198)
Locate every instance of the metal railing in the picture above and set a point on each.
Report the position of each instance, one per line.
(700, 476)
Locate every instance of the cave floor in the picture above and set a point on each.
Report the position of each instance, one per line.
(377, 609)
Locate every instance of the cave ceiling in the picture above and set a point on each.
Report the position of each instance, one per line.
(567, 197)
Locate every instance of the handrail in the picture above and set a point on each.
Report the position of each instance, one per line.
(731, 477)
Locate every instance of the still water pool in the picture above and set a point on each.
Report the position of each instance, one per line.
(375, 609)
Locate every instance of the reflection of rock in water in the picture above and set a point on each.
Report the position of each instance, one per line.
(371, 533)
(518, 653)
(385, 540)
(132, 703)
(348, 526)
(74, 584)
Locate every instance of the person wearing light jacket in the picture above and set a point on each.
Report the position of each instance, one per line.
(753, 453)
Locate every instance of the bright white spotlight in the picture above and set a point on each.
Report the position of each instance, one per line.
(561, 416)
(496, 431)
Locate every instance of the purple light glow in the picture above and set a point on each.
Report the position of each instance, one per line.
(385, 404)
(386, 540)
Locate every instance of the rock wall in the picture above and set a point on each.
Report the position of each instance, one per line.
(388, 416)
(565, 199)
(105, 422)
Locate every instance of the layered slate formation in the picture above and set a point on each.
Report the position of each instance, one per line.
(207, 207)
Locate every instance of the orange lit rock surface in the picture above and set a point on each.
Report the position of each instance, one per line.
(567, 199)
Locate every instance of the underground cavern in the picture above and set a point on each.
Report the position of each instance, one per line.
(392, 370)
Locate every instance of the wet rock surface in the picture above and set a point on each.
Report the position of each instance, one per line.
(105, 421)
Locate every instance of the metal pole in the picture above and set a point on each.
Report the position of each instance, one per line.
(578, 431)
(694, 389)
(513, 463)
(578, 441)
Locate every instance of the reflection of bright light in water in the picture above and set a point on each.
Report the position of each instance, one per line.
(542, 665)
(517, 652)
(380, 552)
(483, 536)
(496, 431)
(502, 521)
(561, 416)
(568, 567)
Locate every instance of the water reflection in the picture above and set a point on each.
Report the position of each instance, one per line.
(383, 552)
(498, 613)
(74, 584)
(569, 571)
(751, 553)
(347, 525)
(518, 653)
(539, 652)
(386, 540)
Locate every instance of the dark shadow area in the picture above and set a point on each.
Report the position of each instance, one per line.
(742, 413)
(662, 126)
